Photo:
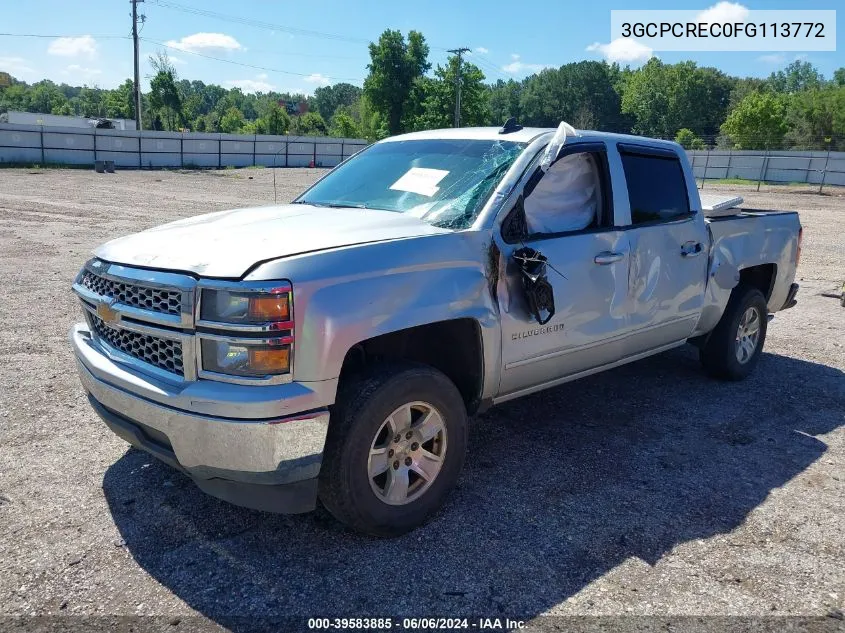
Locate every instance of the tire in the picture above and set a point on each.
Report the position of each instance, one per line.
(362, 422)
(721, 355)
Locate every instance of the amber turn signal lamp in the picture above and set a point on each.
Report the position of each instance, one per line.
(269, 360)
(269, 308)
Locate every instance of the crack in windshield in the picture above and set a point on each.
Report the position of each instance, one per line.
(444, 182)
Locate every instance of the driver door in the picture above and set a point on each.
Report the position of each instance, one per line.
(588, 271)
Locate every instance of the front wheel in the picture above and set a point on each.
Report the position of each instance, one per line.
(734, 347)
(395, 448)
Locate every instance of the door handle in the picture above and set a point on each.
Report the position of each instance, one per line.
(608, 257)
(691, 249)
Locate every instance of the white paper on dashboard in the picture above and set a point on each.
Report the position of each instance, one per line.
(420, 180)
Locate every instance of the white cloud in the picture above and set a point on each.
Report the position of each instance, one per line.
(774, 58)
(206, 42)
(517, 66)
(623, 50)
(74, 46)
(176, 61)
(723, 12)
(16, 66)
(81, 72)
(317, 78)
(258, 84)
(482, 50)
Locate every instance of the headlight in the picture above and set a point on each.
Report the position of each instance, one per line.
(245, 358)
(246, 332)
(262, 305)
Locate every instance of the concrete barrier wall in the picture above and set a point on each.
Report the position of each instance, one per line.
(130, 149)
(777, 166)
(34, 144)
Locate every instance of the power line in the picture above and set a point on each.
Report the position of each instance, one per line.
(490, 65)
(245, 65)
(270, 26)
(46, 36)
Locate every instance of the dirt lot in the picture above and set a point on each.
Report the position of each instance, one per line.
(647, 490)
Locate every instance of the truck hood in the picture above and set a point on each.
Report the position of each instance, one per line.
(228, 243)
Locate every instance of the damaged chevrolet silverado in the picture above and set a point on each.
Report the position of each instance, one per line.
(333, 348)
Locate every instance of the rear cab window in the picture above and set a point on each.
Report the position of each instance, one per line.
(657, 188)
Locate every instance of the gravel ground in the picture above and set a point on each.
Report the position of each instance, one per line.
(648, 490)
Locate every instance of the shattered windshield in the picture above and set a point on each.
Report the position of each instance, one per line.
(444, 182)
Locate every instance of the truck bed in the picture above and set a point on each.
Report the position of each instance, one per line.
(744, 238)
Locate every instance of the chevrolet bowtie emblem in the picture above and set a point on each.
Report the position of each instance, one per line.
(106, 312)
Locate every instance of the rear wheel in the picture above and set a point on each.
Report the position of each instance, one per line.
(395, 448)
(734, 347)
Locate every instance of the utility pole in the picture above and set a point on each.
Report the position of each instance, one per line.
(458, 52)
(136, 91)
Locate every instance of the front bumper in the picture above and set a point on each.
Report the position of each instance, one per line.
(255, 446)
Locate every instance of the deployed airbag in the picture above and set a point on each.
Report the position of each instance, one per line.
(565, 199)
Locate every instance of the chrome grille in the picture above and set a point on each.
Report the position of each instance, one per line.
(159, 352)
(142, 297)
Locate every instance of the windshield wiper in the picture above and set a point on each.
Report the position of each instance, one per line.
(334, 205)
(347, 205)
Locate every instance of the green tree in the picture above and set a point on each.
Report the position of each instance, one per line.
(309, 124)
(584, 94)
(757, 122)
(687, 139)
(796, 77)
(276, 120)
(839, 77)
(164, 97)
(44, 96)
(119, 102)
(503, 101)
(394, 66)
(89, 102)
(327, 99)
(15, 97)
(372, 123)
(744, 86)
(344, 125)
(232, 120)
(663, 98)
(816, 119)
(211, 122)
(436, 98)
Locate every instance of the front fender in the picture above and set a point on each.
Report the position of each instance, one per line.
(348, 295)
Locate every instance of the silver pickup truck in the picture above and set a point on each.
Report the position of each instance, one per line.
(334, 347)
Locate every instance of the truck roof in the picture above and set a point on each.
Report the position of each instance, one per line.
(525, 135)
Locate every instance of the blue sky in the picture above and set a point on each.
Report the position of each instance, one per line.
(300, 46)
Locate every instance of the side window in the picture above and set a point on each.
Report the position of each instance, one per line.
(568, 197)
(657, 189)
